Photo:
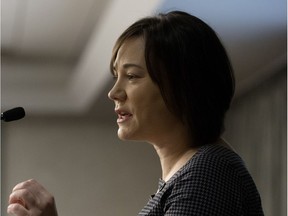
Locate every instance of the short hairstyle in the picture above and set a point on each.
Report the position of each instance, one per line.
(186, 59)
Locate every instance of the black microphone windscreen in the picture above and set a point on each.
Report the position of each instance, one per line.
(13, 114)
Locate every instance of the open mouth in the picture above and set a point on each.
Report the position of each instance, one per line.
(123, 116)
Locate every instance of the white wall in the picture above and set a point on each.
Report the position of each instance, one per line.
(82, 163)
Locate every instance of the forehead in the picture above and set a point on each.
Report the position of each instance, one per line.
(131, 52)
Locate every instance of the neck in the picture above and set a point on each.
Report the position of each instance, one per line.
(174, 152)
(171, 163)
(174, 148)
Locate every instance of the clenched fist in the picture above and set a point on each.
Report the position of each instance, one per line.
(30, 198)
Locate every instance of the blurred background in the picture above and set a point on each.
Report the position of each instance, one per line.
(55, 63)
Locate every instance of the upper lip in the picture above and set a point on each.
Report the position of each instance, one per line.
(122, 112)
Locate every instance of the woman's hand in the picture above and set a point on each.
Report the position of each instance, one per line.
(29, 198)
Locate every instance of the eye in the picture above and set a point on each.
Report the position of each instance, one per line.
(131, 76)
(115, 77)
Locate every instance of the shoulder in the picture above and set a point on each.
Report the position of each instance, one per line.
(218, 168)
(217, 157)
(212, 181)
(213, 164)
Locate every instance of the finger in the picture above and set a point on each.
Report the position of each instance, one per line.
(38, 191)
(23, 197)
(19, 200)
(17, 209)
(33, 186)
(26, 184)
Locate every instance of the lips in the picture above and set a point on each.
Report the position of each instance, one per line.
(123, 116)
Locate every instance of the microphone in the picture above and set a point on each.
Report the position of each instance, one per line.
(13, 114)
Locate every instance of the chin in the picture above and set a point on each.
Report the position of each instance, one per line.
(122, 135)
(127, 136)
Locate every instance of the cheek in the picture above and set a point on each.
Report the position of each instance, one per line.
(160, 115)
(151, 107)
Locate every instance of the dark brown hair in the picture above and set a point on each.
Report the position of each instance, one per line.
(186, 59)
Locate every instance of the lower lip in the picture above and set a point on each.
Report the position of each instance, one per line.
(124, 119)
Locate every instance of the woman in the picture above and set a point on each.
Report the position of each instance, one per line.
(173, 86)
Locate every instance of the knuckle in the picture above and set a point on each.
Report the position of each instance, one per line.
(25, 184)
(28, 182)
(25, 193)
(32, 181)
(50, 200)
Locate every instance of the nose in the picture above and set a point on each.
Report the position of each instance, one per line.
(117, 93)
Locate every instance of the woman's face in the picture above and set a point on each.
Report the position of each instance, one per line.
(142, 112)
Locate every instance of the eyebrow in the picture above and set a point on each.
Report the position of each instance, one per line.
(128, 65)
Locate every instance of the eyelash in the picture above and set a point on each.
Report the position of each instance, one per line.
(114, 78)
(129, 77)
